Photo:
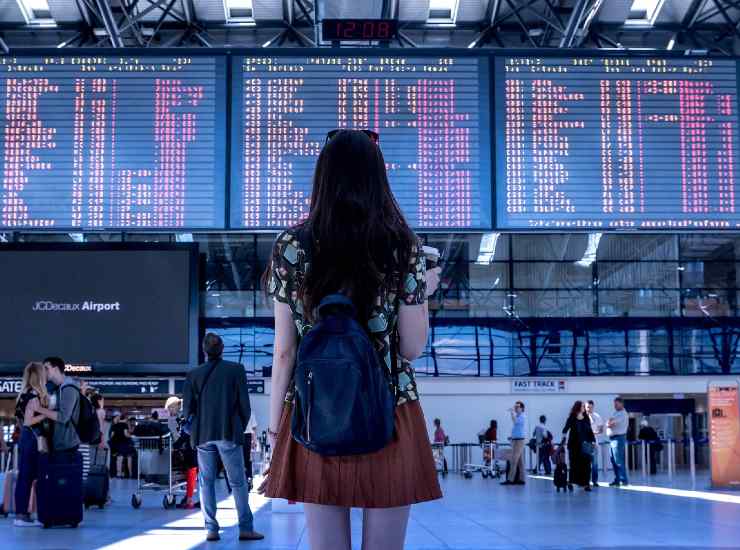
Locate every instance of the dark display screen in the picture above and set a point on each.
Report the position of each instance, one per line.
(431, 113)
(607, 142)
(100, 142)
(92, 306)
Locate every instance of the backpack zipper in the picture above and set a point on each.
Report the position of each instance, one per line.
(310, 398)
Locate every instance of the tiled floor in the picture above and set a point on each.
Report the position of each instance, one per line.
(475, 514)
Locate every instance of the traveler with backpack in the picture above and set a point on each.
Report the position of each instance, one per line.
(216, 407)
(59, 490)
(350, 290)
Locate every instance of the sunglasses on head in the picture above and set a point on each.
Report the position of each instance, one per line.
(374, 137)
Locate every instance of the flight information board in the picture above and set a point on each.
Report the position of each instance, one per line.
(432, 114)
(616, 142)
(112, 142)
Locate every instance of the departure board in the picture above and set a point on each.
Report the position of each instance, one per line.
(616, 142)
(432, 114)
(112, 142)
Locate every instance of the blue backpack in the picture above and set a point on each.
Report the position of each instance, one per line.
(344, 402)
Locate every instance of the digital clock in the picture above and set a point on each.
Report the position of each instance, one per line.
(359, 29)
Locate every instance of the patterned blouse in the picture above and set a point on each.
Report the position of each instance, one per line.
(289, 266)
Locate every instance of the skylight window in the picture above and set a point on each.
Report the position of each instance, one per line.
(36, 12)
(239, 11)
(592, 247)
(644, 12)
(442, 11)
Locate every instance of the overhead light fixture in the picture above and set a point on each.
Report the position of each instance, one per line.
(239, 11)
(487, 249)
(671, 43)
(77, 237)
(184, 237)
(589, 256)
(36, 12)
(644, 12)
(442, 11)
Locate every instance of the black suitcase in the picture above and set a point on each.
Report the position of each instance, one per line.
(59, 490)
(97, 484)
(560, 479)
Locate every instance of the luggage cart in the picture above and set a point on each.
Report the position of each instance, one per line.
(493, 463)
(440, 461)
(155, 472)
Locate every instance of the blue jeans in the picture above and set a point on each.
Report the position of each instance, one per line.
(618, 444)
(28, 469)
(233, 460)
(595, 464)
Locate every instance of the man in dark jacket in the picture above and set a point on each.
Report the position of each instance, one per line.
(216, 395)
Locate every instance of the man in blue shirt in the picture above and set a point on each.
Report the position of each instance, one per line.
(518, 435)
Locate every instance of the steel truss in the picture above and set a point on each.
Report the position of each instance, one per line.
(712, 26)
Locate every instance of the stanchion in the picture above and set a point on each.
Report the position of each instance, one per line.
(671, 458)
(692, 459)
(644, 447)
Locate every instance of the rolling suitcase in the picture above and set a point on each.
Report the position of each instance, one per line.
(97, 483)
(59, 491)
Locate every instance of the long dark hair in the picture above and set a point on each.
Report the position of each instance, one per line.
(577, 408)
(360, 239)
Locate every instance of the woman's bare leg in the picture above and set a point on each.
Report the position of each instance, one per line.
(328, 527)
(384, 528)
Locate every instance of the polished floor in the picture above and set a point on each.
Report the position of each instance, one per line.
(475, 514)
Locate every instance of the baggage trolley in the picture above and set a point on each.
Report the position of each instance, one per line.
(440, 462)
(155, 472)
(492, 465)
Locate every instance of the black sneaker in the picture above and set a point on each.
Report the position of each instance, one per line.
(507, 483)
(614, 484)
(519, 483)
(213, 536)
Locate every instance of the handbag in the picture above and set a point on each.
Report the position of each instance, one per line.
(587, 448)
(187, 425)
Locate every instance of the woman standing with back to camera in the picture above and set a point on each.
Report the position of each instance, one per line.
(357, 243)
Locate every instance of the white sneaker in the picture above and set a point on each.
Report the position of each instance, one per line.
(24, 522)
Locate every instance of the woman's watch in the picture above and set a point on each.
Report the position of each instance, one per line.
(272, 433)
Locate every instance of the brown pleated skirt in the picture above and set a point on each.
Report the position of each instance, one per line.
(400, 474)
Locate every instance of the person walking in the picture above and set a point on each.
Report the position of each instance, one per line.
(655, 446)
(355, 243)
(581, 445)
(543, 442)
(598, 427)
(32, 395)
(122, 446)
(216, 396)
(616, 429)
(518, 435)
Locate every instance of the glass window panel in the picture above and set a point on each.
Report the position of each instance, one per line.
(230, 262)
(708, 303)
(560, 246)
(710, 246)
(548, 275)
(467, 246)
(696, 353)
(493, 276)
(250, 346)
(638, 303)
(638, 275)
(553, 303)
(227, 303)
(487, 303)
(455, 350)
(709, 274)
(637, 247)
